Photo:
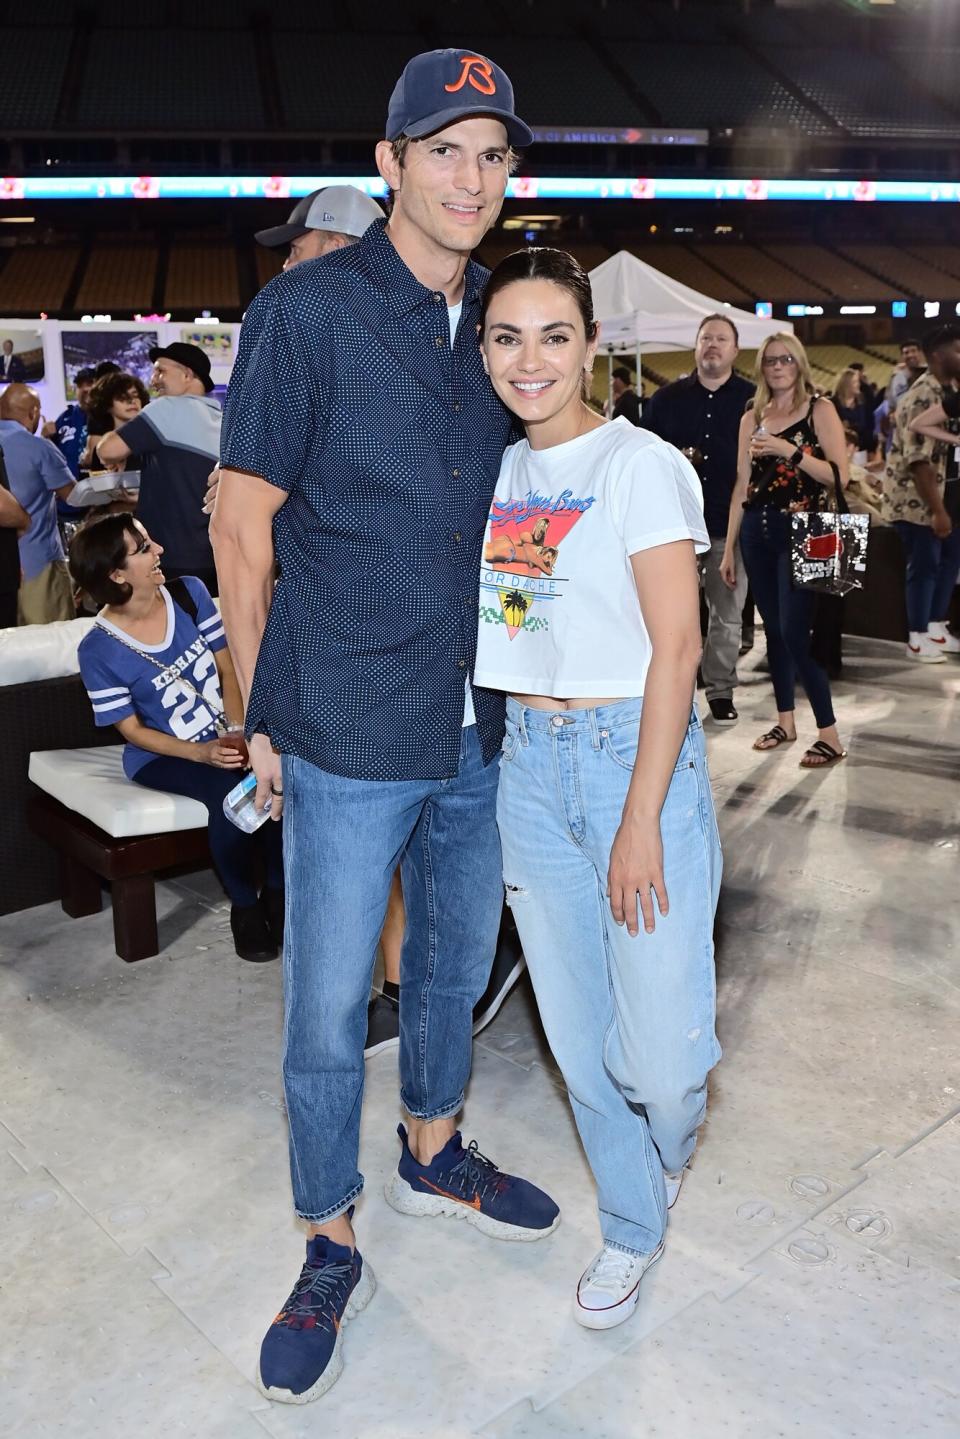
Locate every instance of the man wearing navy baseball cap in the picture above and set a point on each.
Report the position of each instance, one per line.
(361, 445)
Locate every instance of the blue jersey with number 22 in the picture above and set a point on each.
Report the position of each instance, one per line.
(121, 683)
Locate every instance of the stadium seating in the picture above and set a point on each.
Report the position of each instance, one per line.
(118, 277)
(208, 77)
(838, 276)
(911, 274)
(202, 277)
(34, 62)
(724, 87)
(864, 92)
(36, 278)
(941, 257)
(760, 272)
(340, 101)
(560, 83)
(690, 269)
(268, 263)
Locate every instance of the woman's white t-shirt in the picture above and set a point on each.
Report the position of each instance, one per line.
(559, 613)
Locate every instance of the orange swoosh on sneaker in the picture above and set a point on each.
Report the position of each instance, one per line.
(473, 1203)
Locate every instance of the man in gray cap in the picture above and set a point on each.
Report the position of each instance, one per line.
(322, 221)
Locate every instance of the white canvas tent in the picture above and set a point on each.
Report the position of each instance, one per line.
(642, 310)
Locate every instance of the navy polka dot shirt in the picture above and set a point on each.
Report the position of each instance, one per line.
(346, 395)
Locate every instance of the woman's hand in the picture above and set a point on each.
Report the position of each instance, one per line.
(221, 756)
(636, 867)
(728, 569)
(770, 445)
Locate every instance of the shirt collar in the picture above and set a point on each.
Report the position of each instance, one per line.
(402, 291)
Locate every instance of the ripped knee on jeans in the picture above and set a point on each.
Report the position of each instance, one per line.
(515, 893)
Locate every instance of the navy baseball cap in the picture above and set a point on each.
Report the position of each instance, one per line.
(440, 87)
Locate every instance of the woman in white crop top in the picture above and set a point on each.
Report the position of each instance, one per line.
(589, 621)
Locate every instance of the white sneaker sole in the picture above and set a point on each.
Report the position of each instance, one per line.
(357, 1302)
(392, 1043)
(491, 1012)
(922, 659)
(405, 1200)
(617, 1313)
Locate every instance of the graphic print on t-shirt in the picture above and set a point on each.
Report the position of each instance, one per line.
(522, 552)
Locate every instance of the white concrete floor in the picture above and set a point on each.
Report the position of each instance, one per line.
(811, 1283)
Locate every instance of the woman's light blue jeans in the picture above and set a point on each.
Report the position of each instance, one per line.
(630, 1020)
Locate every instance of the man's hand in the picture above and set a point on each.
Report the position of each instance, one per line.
(213, 484)
(636, 867)
(49, 430)
(942, 524)
(266, 765)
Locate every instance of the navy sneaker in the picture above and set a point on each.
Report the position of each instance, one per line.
(300, 1356)
(464, 1184)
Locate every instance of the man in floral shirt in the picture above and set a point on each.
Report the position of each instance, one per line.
(913, 501)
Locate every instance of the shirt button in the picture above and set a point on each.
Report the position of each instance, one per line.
(456, 408)
(457, 536)
(456, 474)
(461, 664)
(439, 342)
(438, 298)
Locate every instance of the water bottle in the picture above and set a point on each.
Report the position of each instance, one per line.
(239, 806)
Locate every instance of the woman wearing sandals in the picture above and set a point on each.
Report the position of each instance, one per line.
(790, 439)
(604, 795)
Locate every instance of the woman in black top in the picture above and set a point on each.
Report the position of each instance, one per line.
(787, 440)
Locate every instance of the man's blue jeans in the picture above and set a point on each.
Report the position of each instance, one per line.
(342, 841)
(630, 1020)
(932, 567)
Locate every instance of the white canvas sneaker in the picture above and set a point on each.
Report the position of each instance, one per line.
(940, 634)
(922, 648)
(609, 1288)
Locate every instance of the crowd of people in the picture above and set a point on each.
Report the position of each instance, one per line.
(430, 740)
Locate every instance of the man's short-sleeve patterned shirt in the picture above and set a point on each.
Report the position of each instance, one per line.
(900, 499)
(347, 395)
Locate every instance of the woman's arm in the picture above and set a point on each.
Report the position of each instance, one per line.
(728, 562)
(154, 740)
(229, 688)
(668, 590)
(932, 424)
(829, 432)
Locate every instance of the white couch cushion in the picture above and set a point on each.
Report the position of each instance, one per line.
(41, 652)
(92, 782)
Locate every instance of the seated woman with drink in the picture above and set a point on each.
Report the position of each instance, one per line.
(156, 665)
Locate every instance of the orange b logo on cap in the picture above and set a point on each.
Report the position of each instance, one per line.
(477, 72)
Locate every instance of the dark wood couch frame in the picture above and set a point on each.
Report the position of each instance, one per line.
(88, 855)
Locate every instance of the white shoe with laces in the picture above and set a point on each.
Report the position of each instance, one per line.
(609, 1288)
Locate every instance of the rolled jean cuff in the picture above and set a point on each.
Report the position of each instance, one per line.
(445, 1111)
(625, 1249)
(334, 1211)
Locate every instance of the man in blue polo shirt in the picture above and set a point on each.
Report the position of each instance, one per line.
(176, 439)
(361, 446)
(38, 476)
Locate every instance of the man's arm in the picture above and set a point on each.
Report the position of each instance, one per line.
(112, 450)
(927, 483)
(12, 514)
(56, 473)
(241, 532)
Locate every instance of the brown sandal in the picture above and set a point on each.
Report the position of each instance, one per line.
(779, 736)
(828, 754)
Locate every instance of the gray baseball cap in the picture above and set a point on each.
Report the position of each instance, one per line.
(342, 208)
